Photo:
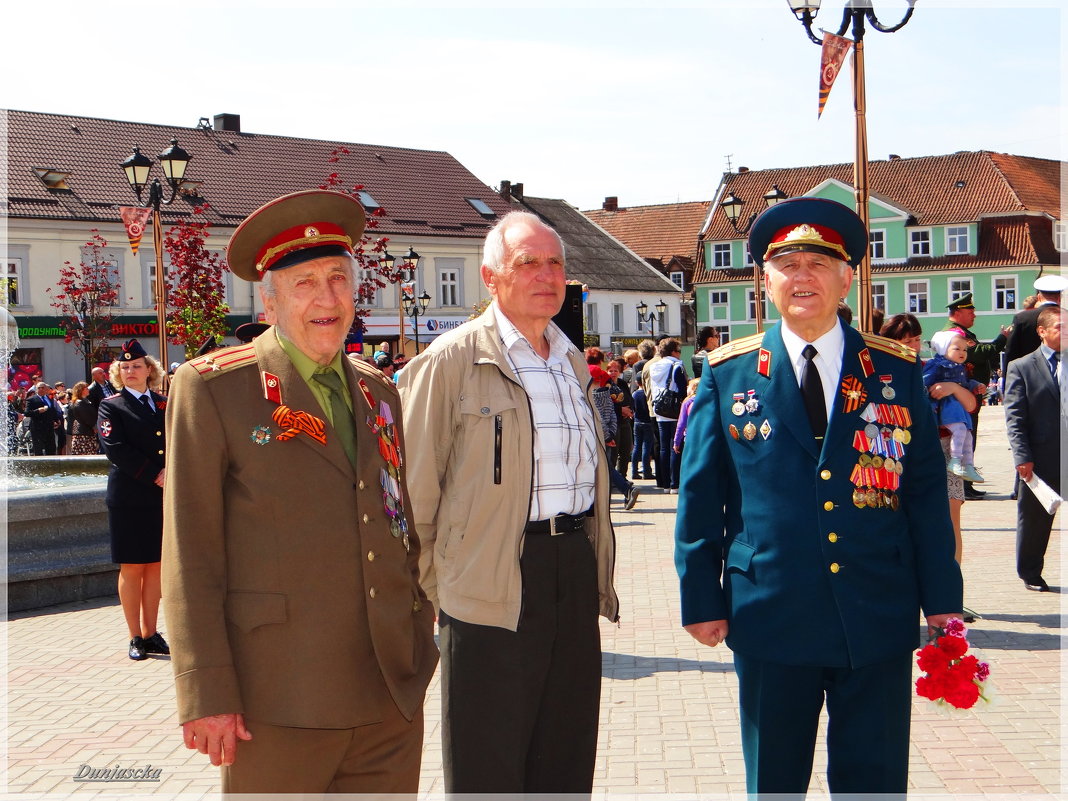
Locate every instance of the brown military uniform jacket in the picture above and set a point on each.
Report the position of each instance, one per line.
(287, 596)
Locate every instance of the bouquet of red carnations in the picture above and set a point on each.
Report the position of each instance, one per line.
(952, 675)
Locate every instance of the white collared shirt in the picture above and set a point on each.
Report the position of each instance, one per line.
(138, 395)
(828, 358)
(565, 439)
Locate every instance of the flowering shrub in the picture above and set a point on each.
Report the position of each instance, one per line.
(86, 294)
(195, 290)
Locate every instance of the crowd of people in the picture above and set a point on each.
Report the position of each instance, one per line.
(268, 499)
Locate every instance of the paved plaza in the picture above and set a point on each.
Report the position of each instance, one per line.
(669, 719)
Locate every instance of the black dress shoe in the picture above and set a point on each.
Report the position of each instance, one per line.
(974, 495)
(137, 649)
(1036, 584)
(156, 644)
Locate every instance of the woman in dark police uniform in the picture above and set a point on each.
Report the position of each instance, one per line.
(131, 429)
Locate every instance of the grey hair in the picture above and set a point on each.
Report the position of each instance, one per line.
(493, 249)
(267, 288)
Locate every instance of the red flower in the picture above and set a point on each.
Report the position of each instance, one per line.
(932, 659)
(952, 647)
(931, 687)
(962, 695)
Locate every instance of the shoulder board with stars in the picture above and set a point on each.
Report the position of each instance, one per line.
(369, 370)
(891, 346)
(736, 347)
(220, 361)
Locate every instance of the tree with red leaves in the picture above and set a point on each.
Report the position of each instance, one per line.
(374, 274)
(195, 290)
(85, 297)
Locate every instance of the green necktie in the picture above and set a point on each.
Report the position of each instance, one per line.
(343, 423)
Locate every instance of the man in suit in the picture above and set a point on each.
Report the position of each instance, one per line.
(982, 359)
(813, 523)
(510, 488)
(1037, 422)
(302, 642)
(1023, 338)
(45, 416)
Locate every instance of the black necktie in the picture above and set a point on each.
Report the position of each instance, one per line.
(812, 392)
(1053, 361)
(147, 402)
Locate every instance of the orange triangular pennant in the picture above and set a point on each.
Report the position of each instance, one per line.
(134, 218)
(831, 58)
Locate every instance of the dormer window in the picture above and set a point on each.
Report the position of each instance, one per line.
(368, 202)
(478, 205)
(52, 178)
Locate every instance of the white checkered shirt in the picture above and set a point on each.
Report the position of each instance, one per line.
(565, 439)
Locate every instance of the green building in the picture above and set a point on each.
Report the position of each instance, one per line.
(940, 226)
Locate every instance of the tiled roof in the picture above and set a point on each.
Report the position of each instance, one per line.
(593, 256)
(1003, 242)
(1010, 196)
(656, 232)
(422, 191)
(925, 187)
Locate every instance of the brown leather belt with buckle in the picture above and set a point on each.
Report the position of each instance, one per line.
(561, 524)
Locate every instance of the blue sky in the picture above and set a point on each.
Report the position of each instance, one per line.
(578, 102)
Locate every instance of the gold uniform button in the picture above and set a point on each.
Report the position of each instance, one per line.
(825, 474)
(835, 567)
(832, 537)
(370, 556)
(159, 433)
(373, 592)
(828, 506)
(160, 453)
(360, 484)
(366, 519)
(417, 606)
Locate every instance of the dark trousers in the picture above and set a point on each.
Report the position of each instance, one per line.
(644, 449)
(44, 441)
(519, 708)
(868, 714)
(1033, 525)
(667, 472)
(624, 444)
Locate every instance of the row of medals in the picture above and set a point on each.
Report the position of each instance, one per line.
(751, 406)
(887, 438)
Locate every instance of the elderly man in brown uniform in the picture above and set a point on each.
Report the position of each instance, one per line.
(302, 642)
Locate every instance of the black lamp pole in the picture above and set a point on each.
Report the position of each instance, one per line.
(174, 160)
(414, 307)
(855, 14)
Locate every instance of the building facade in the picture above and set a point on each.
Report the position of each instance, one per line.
(940, 226)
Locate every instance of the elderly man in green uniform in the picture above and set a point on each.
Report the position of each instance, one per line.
(982, 359)
(302, 642)
(813, 524)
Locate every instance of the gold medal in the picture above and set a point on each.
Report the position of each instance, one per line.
(865, 460)
(898, 468)
(872, 498)
(859, 498)
(750, 431)
(877, 461)
(734, 430)
(899, 435)
(889, 464)
(894, 502)
(906, 436)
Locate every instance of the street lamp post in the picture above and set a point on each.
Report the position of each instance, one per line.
(174, 161)
(414, 307)
(732, 207)
(411, 261)
(855, 12)
(646, 316)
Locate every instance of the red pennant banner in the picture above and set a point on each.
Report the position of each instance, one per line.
(831, 58)
(134, 218)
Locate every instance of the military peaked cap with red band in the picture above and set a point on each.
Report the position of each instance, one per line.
(809, 224)
(293, 229)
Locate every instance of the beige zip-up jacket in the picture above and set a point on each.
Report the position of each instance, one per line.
(470, 461)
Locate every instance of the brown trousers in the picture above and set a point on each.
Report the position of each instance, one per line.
(377, 758)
